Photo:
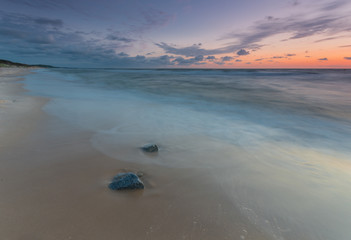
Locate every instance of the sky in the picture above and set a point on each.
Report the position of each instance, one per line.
(177, 33)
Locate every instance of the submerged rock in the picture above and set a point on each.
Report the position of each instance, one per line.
(150, 148)
(125, 181)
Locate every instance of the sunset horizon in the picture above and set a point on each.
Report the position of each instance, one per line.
(177, 34)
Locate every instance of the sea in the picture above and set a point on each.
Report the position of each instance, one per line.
(277, 141)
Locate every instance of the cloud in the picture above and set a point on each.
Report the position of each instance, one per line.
(151, 19)
(15, 20)
(323, 59)
(295, 26)
(40, 4)
(46, 40)
(188, 61)
(294, 2)
(48, 21)
(190, 51)
(242, 52)
(164, 60)
(285, 56)
(347, 58)
(211, 58)
(238, 60)
(345, 46)
(226, 58)
(54, 5)
(20, 27)
(8, 32)
(326, 22)
(122, 54)
(118, 37)
(196, 49)
(33, 39)
(333, 5)
(199, 58)
(326, 39)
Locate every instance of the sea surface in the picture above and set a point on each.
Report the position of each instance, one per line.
(278, 142)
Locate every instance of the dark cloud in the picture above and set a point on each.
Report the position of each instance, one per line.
(290, 54)
(259, 59)
(118, 37)
(211, 58)
(277, 57)
(44, 40)
(41, 39)
(238, 60)
(345, 46)
(188, 61)
(195, 49)
(226, 58)
(8, 32)
(191, 51)
(164, 60)
(294, 2)
(347, 58)
(47, 21)
(326, 39)
(243, 52)
(122, 54)
(16, 21)
(19, 27)
(53, 5)
(41, 4)
(323, 59)
(199, 58)
(333, 5)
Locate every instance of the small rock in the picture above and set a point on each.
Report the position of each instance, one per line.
(124, 181)
(150, 148)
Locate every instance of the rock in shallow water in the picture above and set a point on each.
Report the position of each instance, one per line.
(125, 181)
(150, 148)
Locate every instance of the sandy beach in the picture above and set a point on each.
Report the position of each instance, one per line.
(54, 185)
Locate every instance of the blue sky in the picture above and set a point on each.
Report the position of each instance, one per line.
(179, 33)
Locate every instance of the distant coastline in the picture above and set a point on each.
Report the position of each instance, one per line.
(7, 64)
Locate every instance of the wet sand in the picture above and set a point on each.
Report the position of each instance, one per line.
(53, 185)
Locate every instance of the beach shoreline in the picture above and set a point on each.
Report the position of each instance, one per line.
(19, 112)
(54, 185)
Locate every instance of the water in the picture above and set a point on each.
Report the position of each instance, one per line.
(277, 141)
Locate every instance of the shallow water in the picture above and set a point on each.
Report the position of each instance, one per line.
(277, 141)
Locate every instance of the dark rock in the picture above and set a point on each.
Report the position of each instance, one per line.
(124, 181)
(150, 148)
